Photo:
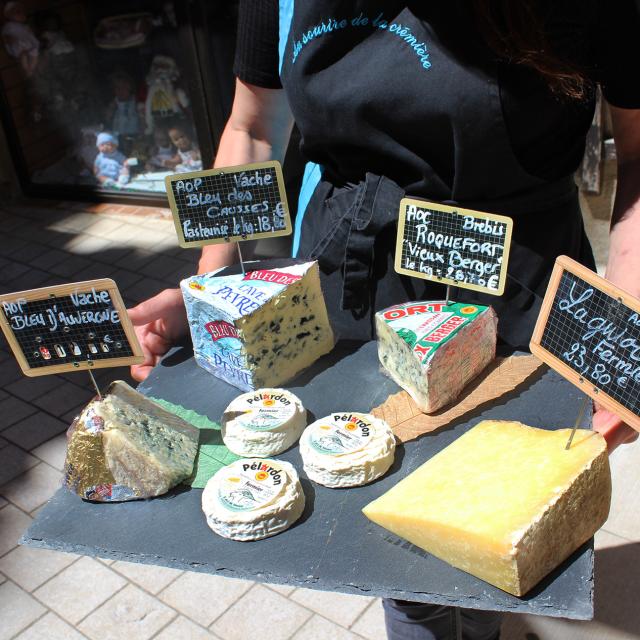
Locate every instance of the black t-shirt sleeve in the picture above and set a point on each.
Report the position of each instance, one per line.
(618, 52)
(256, 60)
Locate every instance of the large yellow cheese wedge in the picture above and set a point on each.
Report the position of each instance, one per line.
(505, 502)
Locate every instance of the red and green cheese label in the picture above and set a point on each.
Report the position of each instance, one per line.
(426, 326)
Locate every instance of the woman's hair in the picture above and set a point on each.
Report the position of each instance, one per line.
(515, 31)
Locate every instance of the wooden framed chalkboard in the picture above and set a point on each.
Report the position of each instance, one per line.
(459, 247)
(229, 204)
(588, 330)
(83, 325)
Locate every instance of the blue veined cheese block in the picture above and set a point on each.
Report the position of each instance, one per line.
(261, 328)
(434, 349)
(124, 446)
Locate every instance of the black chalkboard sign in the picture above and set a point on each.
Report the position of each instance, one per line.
(459, 247)
(229, 204)
(588, 330)
(76, 326)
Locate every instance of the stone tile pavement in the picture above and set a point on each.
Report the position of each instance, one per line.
(45, 594)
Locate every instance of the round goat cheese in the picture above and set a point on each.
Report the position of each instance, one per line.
(262, 423)
(347, 449)
(252, 499)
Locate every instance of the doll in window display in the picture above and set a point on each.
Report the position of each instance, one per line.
(110, 167)
(19, 39)
(62, 82)
(162, 155)
(164, 98)
(122, 115)
(188, 156)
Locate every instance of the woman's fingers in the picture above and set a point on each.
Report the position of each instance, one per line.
(614, 430)
(156, 308)
(158, 322)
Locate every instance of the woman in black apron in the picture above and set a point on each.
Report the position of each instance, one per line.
(410, 103)
(392, 98)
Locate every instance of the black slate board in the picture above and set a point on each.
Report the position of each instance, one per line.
(69, 327)
(245, 202)
(454, 246)
(333, 547)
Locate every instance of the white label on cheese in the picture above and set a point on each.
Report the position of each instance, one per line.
(340, 433)
(93, 422)
(268, 411)
(420, 324)
(247, 486)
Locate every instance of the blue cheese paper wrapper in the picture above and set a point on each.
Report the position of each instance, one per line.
(126, 447)
(261, 328)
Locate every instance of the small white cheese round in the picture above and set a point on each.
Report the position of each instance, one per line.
(252, 499)
(263, 423)
(347, 449)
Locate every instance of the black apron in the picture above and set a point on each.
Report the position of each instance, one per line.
(385, 119)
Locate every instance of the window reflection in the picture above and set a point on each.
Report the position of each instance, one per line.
(97, 93)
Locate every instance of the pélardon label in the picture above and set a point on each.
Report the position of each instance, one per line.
(249, 485)
(268, 411)
(340, 433)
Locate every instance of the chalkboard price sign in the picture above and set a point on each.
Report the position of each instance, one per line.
(459, 247)
(229, 204)
(83, 325)
(588, 330)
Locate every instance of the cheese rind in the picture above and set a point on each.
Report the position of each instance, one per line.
(261, 328)
(125, 447)
(347, 449)
(232, 514)
(433, 349)
(263, 423)
(505, 502)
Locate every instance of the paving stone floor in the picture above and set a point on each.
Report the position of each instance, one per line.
(54, 596)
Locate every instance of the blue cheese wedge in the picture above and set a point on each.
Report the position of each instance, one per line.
(252, 499)
(347, 449)
(125, 447)
(261, 328)
(263, 423)
(434, 349)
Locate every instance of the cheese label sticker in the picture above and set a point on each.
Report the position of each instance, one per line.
(426, 326)
(277, 277)
(340, 433)
(93, 422)
(247, 485)
(268, 411)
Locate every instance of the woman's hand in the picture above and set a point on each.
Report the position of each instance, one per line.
(159, 323)
(615, 431)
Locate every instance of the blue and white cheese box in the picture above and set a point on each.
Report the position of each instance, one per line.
(260, 328)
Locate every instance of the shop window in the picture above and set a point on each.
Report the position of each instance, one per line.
(109, 98)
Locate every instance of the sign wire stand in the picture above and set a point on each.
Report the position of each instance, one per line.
(241, 261)
(95, 384)
(583, 408)
(448, 295)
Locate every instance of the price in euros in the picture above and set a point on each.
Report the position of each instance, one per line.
(576, 356)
